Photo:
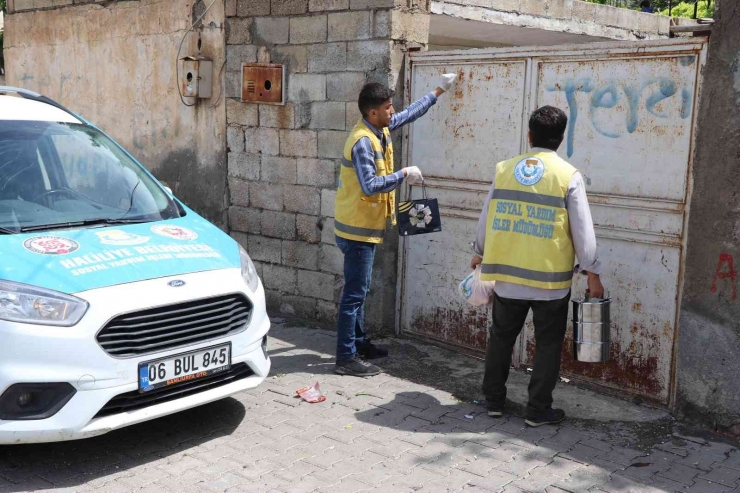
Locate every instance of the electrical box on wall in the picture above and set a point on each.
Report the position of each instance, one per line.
(263, 83)
(196, 78)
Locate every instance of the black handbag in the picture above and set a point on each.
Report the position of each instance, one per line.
(418, 217)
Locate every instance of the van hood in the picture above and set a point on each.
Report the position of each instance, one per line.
(75, 260)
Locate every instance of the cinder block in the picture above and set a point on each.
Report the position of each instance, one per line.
(238, 54)
(316, 285)
(277, 116)
(233, 85)
(326, 311)
(302, 199)
(271, 30)
(307, 87)
(327, 202)
(239, 192)
(346, 26)
(241, 113)
(327, 232)
(279, 170)
(329, 116)
(331, 259)
(375, 4)
(300, 254)
(240, 238)
(230, 8)
(327, 5)
(274, 300)
(262, 140)
(238, 30)
(367, 56)
(381, 23)
(329, 57)
(299, 143)
(353, 115)
(307, 228)
(264, 249)
(331, 144)
(289, 7)
(295, 58)
(20, 5)
(316, 172)
(310, 29)
(280, 278)
(251, 8)
(298, 306)
(278, 225)
(244, 166)
(344, 86)
(235, 139)
(245, 220)
(266, 196)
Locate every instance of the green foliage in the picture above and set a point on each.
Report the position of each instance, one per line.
(686, 9)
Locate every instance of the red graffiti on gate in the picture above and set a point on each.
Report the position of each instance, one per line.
(725, 270)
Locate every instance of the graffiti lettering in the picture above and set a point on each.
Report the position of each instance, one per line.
(725, 270)
(606, 97)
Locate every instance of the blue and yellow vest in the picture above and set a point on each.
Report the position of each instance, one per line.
(528, 240)
(357, 216)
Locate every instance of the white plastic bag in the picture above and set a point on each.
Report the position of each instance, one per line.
(475, 291)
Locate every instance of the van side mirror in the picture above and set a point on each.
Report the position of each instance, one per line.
(169, 191)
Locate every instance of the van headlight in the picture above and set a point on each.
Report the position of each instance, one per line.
(33, 305)
(249, 273)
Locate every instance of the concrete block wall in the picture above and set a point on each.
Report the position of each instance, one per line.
(284, 161)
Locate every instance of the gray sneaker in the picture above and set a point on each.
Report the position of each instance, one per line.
(356, 367)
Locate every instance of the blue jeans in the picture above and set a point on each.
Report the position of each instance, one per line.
(358, 271)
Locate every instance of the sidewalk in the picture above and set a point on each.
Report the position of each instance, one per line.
(414, 428)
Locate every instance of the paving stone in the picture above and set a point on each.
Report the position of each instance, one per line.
(703, 486)
(681, 473)
(722, 475)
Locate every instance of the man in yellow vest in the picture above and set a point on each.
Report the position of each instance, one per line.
(535, 221)
(365, 201)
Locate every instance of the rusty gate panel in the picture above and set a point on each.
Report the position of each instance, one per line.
(630, 130)
(454, 144)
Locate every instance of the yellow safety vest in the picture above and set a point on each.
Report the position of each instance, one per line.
(528, 238)
(357, 216)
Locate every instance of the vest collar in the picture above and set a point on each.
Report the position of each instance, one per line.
(542, 149)
(378, 133)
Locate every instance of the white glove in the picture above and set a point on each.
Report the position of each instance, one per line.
(413, 175)
(447, 81)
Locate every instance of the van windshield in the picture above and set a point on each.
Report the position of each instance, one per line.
(55, 175)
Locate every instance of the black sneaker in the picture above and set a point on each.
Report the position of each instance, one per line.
(368, 350)
(495, 410)
(549, 416)
(356, 367)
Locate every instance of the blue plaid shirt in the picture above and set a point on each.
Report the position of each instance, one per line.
(363, 157)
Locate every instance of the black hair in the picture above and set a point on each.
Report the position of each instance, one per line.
(645, 4)
(372, 95)
(547, 125)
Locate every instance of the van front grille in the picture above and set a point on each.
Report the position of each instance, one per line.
(171, 326)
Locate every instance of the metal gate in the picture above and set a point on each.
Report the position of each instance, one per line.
(630, 132)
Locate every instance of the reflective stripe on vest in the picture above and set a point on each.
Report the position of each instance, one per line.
(357, 216)
(528, 239)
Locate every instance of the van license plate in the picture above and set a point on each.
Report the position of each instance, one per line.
(184, 367)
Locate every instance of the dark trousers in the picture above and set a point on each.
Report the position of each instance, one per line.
(550, 321)
(358, 272)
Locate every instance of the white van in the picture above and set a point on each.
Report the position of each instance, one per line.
(118, 304)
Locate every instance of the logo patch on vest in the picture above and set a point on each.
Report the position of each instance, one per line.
(529, 171)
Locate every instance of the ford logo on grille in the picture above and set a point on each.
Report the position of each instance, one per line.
(176, 283)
